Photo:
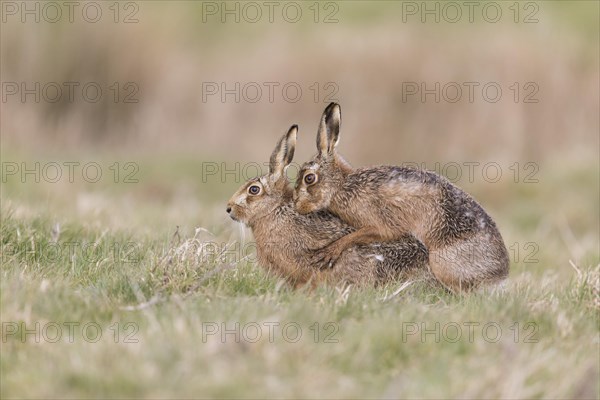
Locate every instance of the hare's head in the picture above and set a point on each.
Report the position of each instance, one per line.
(320, 178)
(260, 196)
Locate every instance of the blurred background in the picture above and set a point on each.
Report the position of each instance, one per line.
(177, 102)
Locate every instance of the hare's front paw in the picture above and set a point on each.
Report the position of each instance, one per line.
(326, 257)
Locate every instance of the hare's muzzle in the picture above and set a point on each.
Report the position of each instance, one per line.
(232, 212)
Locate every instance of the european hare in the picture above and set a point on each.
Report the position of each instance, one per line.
(384, 203)
(285, 239)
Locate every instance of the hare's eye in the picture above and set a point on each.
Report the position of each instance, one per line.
(254, 190)
(309, 179)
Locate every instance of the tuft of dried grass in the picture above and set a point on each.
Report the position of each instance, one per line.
(586, 286)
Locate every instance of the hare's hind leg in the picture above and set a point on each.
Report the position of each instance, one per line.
(466, 264)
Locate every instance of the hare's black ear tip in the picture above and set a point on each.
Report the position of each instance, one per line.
(333, 109)
(293, 131)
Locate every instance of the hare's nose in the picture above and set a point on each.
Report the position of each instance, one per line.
(228, 210)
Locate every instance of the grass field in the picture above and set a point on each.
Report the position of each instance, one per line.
(109, 290)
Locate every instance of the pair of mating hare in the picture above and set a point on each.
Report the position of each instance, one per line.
(368, 225)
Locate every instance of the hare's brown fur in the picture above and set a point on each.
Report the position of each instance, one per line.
(286, 240)
(386, 202)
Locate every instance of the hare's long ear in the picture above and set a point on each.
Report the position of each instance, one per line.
(283, 154)
(328, 135)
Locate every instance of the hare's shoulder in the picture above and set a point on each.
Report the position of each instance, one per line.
(392, 173)
(387, 178)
